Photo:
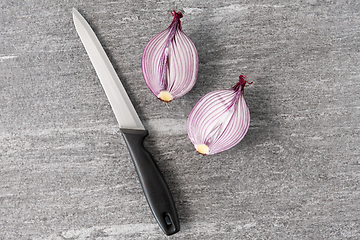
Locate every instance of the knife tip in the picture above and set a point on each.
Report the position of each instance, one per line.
(74, 10)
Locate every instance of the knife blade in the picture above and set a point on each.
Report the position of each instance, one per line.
(155, 188)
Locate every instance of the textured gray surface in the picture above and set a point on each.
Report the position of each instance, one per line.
(66, 172)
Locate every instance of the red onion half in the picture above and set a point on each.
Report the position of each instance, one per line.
(219, 120)
(170, 62)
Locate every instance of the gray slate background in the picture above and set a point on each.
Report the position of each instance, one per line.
(66, 172)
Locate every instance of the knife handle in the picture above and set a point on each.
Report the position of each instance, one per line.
(156, 191)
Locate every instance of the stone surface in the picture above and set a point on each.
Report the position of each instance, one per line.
(66, 172)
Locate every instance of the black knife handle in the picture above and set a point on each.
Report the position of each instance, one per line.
(156, 191)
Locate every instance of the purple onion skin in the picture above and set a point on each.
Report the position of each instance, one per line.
(219, 120)
(170, 62)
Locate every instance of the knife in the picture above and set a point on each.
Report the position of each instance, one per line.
(156, 190)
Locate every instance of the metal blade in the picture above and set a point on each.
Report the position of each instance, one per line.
(119, 100)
